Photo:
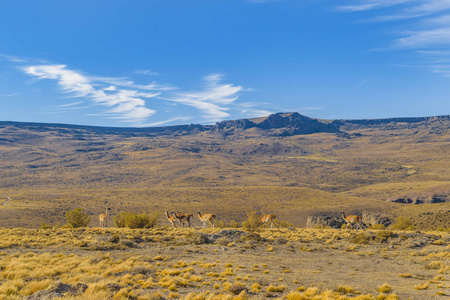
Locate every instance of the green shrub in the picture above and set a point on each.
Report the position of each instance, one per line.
(133, 221)
(77, 218)
(153, 220)
(119, 219)
(403, 223)
(252, 223)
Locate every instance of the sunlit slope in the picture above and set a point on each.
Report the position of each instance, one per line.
(48, 169)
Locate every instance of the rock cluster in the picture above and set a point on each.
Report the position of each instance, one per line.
(324, 222)
(58, 289)
(421, 199)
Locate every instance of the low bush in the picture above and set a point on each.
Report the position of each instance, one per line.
(403, 223)
(77, 218)
(253, 222)
(133, 221)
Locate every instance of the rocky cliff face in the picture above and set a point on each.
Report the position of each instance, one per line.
(280, 124)
(421, 199)
(294, 124)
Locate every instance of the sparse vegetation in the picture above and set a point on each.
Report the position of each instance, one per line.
(403, 223)
(173, 263)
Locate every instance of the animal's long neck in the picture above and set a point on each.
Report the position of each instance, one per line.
(106, 212)
(167, 214)
(343, 215)
(200, 215)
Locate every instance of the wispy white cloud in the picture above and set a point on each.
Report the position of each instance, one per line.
(369, 5)
(254, 113)
(126, 105)
(11, 58)
(168, 121)
(213, 100)
(9, 95)
(69, 104)
(146, 72)
(125, 100)
(425, 27)
(124, 82)
(425, 38)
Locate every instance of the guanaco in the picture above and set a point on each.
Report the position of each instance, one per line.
(352, 219)
(102, 218)
(171, 219)
(265, 219)
(181, 217)
(207, 219)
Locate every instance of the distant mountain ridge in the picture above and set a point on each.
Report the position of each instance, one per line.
(278, 124)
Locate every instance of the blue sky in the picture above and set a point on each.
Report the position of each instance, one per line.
(167, 62)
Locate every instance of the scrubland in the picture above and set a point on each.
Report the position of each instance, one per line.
(182, 263)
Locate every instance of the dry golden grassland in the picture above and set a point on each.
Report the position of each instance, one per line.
(177, 263)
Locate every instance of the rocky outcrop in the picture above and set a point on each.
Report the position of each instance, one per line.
(235, 124)
(324, 222)
(421, 198)
(279, 124)
(370, 219)
(294, 124)
(58, 289)
(43, 295)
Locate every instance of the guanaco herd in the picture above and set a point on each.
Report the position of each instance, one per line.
(208, 219)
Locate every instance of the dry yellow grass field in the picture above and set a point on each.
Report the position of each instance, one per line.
(165, 263)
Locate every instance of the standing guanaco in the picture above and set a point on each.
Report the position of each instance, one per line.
(352, 219)
(171, 219)
(181, 217)
(265, 219)
(102, 218)
(207, 219)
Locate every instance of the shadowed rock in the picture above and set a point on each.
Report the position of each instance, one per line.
(324, 221)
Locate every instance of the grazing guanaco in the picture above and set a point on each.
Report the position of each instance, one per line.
(207, 219)
(352, 219)
(181, 217)
(102, 218)
(171, 219)
(265, 219)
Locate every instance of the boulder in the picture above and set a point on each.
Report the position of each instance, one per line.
(43, 295)
(369, 219)
(324, 221)
(68, 289)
